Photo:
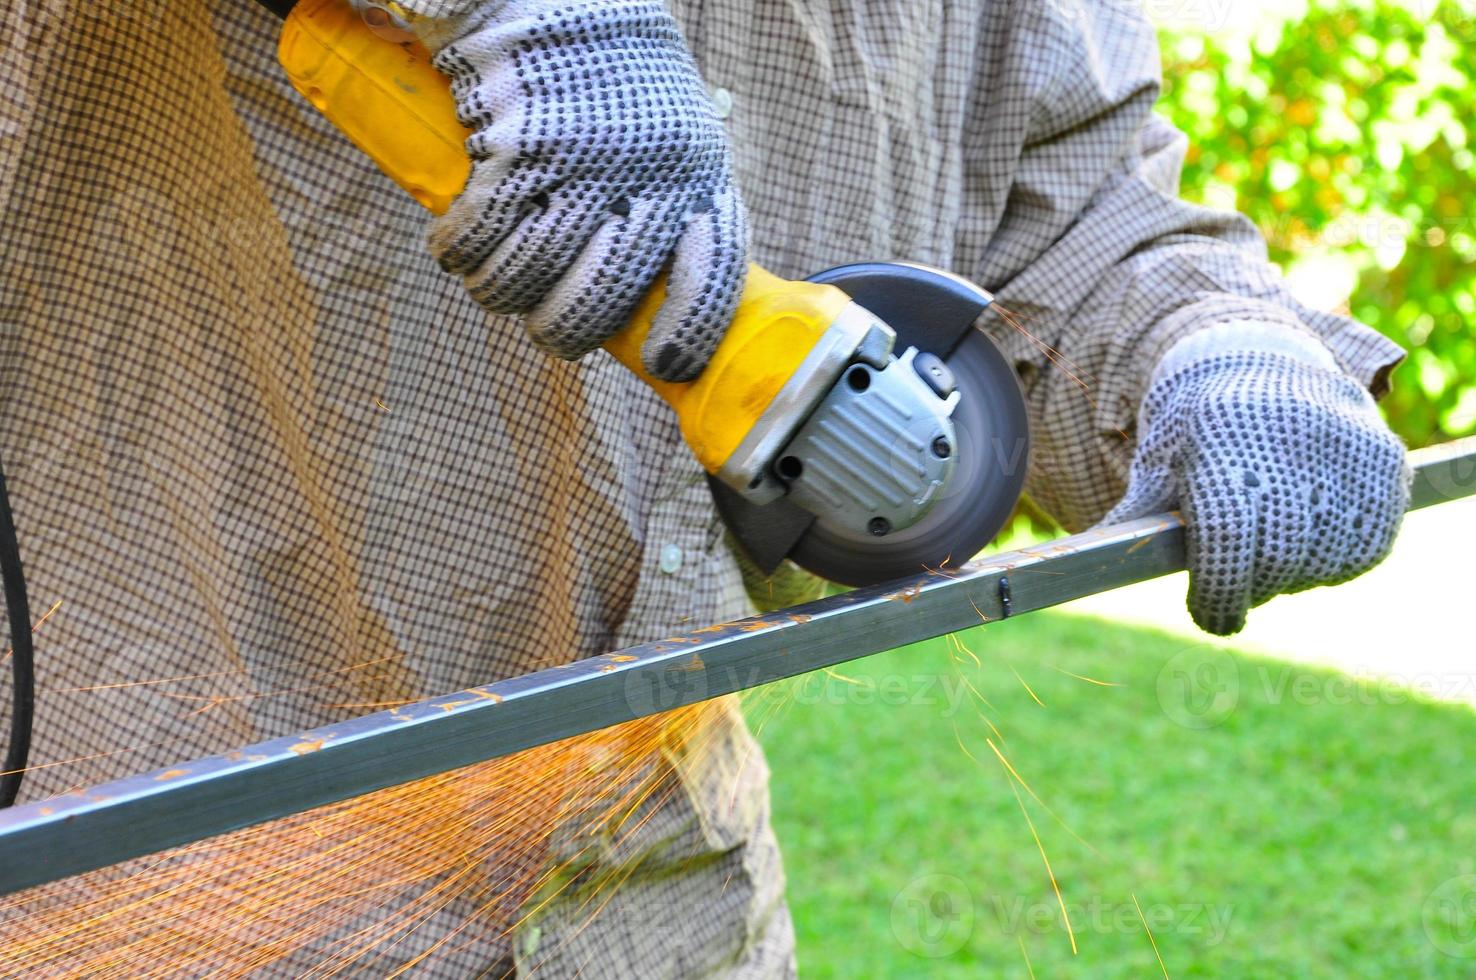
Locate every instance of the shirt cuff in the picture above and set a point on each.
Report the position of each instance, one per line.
(1238, 336)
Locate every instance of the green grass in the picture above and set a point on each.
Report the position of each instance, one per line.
(1293, 826)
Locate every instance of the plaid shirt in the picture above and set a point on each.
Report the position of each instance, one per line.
(255, 438)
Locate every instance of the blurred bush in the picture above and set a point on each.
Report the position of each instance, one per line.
(1345, 135)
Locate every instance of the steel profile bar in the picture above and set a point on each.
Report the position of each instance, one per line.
(80, 831)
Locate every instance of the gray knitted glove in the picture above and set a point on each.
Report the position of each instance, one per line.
(597, 162)
(1286, 475)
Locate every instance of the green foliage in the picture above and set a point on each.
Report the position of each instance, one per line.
(1345, 136)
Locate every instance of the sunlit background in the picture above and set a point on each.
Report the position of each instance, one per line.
(1293, 802)
(1341, 128)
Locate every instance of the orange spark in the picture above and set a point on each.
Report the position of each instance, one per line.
(1027, 687)
(37, 625)
(1150, 937)
(1028, 968)
(1083, 677)
(1065, 915)
(457, 859)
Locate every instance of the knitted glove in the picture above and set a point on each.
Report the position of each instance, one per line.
(597, 161)
(1286, 475)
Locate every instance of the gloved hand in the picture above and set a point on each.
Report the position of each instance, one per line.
(598, 160)
(1285, 473)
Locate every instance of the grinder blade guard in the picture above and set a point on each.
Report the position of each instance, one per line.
(980, 467)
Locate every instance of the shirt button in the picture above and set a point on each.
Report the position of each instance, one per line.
(722, 102)
(671, 558)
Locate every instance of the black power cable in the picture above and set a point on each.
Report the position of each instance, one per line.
(22, 657)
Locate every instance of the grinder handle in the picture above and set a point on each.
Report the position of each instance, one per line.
(384, 94)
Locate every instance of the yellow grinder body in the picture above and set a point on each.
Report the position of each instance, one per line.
(386, 96)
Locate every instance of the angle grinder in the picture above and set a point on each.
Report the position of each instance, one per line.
(856, 422)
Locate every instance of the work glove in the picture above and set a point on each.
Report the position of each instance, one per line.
(597, 162)
(1285, 474)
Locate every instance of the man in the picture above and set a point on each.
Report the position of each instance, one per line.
(259, 438)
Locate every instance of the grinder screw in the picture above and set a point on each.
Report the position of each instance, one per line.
(879, 526)
(941, 448)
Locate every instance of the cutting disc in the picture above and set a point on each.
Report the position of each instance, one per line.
(935, 312)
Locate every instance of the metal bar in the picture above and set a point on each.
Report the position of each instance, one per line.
(88, 829)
